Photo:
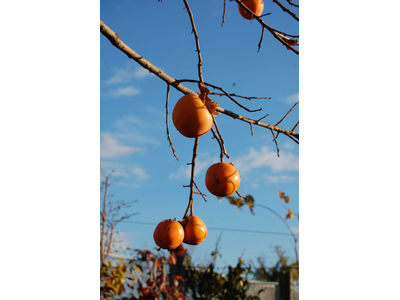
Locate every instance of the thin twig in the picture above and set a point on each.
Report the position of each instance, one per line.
(239, 96)
(169, 137)
(291, 3)
(284, 221)
(222, 90)
(223, 15)
(199, 192)
(287, 113)
(193, 164)
(196, 36)
(276, 142)
(261, 38)
(221, 140)
(286, 10)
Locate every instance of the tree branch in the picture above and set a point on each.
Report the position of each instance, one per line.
(116, 41)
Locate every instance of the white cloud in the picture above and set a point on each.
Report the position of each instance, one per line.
(279, 178)
(124, 92)
(292, 98)
(127, 74)
(141, 73)
(111, 148)
(266, 157)
(139, 173)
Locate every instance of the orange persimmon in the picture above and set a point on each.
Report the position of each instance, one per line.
(191, 117)
(256, 6)
(195, 231)
(169, 234)
(222, 179)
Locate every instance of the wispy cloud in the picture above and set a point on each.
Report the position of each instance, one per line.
(124, 92)
(279, 178)
(125, 75)
(292, 98)
(111, 148)
(139, 173)
(126, 170)
(266, 157)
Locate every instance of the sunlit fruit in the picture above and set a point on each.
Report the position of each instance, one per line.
(191, 117)
(195, 231)
(169, 234)
(256, 6)
(222, 179)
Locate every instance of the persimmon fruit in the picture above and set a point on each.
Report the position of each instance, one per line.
(169, 234)
(195, 231)
(256, 6)
(222, 179)
(191, 117)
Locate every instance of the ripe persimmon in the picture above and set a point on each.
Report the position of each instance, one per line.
(191, 117)
(195, 231)
(169, 234)
(222, 179)
(256, 6)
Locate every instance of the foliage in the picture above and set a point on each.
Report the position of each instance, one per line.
(272, 274)
(204, 283)
(143, 278)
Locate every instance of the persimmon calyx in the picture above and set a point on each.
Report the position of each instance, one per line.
(211, 105)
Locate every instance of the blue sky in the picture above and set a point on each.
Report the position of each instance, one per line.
(133, 130)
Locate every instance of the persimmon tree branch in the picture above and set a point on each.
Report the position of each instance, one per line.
(196, 141)
(286, 9)
(269, 28)
(222, 90)
(168, 136)
(118, 43)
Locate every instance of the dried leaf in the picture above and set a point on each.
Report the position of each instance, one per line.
(290, 214)
(211, 105)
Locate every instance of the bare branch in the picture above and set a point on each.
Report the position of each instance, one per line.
(239, 96)
(287, 113)
(292, 4)
(222, 90)
(168, 136)
(286, 10)
(261, 38)
(269, 28)
(220, 141)
(193, 163)
(200, 63)
(223, 15)
(115, 40)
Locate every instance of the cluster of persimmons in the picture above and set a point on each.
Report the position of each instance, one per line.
(193, 117)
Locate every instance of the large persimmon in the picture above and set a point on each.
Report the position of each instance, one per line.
(169, 234)
(256, 6)
(222, 179)
(191, 117)
(195, 230)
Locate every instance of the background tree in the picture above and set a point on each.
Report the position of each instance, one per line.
(110, 216)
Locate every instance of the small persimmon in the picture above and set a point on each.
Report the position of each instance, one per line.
(169, 234)
(191, 117)
(256, 6)
(195, 230)
(222, 179)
